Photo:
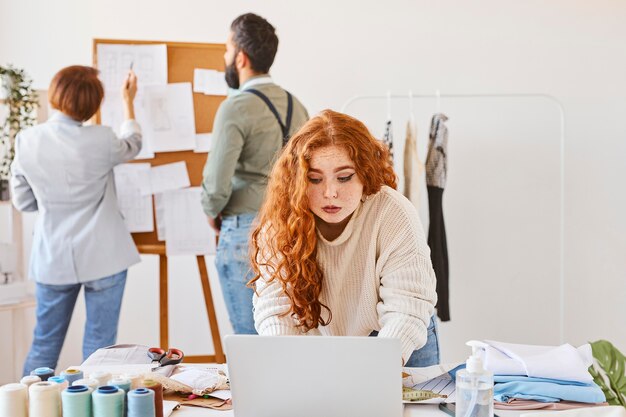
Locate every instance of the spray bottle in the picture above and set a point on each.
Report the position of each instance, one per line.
(474, 385)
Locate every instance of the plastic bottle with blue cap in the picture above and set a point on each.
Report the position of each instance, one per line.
(474, 385)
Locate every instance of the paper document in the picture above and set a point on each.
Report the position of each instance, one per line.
(433, 378)
(168, 177)
(131, 182)
(187, 231)
(203, 142)
(159, 212)
(149, 62)
(170, 121)
(210, 82)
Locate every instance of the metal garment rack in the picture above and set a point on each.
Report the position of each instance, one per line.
(437, 96)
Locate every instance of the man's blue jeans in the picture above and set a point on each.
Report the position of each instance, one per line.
(233, 267)
(55, 305)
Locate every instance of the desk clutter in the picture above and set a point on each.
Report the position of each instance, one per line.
(150, 383)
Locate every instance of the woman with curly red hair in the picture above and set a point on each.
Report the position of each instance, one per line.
(337, 250)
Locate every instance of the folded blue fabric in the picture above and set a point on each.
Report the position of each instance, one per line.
(545, 390)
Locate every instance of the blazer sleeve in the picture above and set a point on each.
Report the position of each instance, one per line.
(128, 145)
(22, 194)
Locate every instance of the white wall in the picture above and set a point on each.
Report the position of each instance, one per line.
(331, 50)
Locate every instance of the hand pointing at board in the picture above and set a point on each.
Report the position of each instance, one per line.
(129, 90)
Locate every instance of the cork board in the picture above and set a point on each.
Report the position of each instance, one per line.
(182, 59)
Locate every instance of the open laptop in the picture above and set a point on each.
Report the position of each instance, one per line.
(314, 376)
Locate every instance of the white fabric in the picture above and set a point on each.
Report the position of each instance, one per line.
(413, 167)
(557, 362)
(609, 411)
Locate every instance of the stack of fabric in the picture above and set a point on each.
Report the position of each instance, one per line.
(542, 377)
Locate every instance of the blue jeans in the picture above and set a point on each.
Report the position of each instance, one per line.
(55, 305)
(428, 354)
(233, 267)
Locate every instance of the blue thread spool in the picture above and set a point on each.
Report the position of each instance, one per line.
(43, 373)
(108, 401)
(121, 383)
(141, 403)
(76, 401)
(72, 375)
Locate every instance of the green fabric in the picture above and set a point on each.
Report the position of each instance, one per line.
(246, 141)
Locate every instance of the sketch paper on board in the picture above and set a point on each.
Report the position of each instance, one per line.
(187, 231)
(159, 212)
(209, 82)
(168, 177)
(136, 208)
(171, 122)
(149, 62)
(203, 142)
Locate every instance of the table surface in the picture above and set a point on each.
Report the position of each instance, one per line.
(424, 410)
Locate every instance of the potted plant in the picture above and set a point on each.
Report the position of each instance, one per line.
(19, 100)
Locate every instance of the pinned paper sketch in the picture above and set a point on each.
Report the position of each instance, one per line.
(170, 123)
(130, 181)
(168, 177)
(187, 231)
(149, 62)
(210, 82)
(203, 142)
(159, 211)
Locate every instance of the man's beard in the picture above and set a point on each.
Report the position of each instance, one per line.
(232, 76)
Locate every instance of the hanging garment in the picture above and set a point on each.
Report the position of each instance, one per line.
(388, 138)
(436, 168)
(413, 167)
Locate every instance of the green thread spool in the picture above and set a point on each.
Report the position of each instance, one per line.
(76, 401)
(108, 401)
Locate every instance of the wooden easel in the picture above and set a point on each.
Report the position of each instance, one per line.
(182, 59)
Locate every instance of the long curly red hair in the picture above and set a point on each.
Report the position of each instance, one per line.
(284, 241)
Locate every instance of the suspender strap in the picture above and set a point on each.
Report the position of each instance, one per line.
(283, 127)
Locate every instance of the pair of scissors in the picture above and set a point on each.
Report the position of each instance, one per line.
(172, 356)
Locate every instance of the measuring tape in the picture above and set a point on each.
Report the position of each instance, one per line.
(410, 394)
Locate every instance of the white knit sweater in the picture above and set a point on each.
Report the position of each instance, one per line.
(377, 276)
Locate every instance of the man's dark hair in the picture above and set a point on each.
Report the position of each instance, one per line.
(256, 37)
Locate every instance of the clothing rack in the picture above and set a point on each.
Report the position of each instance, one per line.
(521, 96)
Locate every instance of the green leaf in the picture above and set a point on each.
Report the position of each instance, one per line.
(609, 372)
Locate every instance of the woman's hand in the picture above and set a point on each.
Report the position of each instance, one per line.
(129, 90)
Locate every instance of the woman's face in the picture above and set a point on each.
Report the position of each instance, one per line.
(334, 189)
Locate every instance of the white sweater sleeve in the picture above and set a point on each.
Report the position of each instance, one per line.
(407, 280)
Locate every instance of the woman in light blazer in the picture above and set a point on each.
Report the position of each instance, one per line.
(64, 170)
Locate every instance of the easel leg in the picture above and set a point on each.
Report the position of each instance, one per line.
(210, 309)
(163, 301)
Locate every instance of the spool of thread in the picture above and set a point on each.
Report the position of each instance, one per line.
(141, 403)
(43, 373)
(91, 383)
(62, 383)
(72, 375)
(14, 400)
(29, 380)
(158, 395)
(76, 401)
(101, 376)
(121, 383)
(44, 399)
(135, 380)
(108, 401)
